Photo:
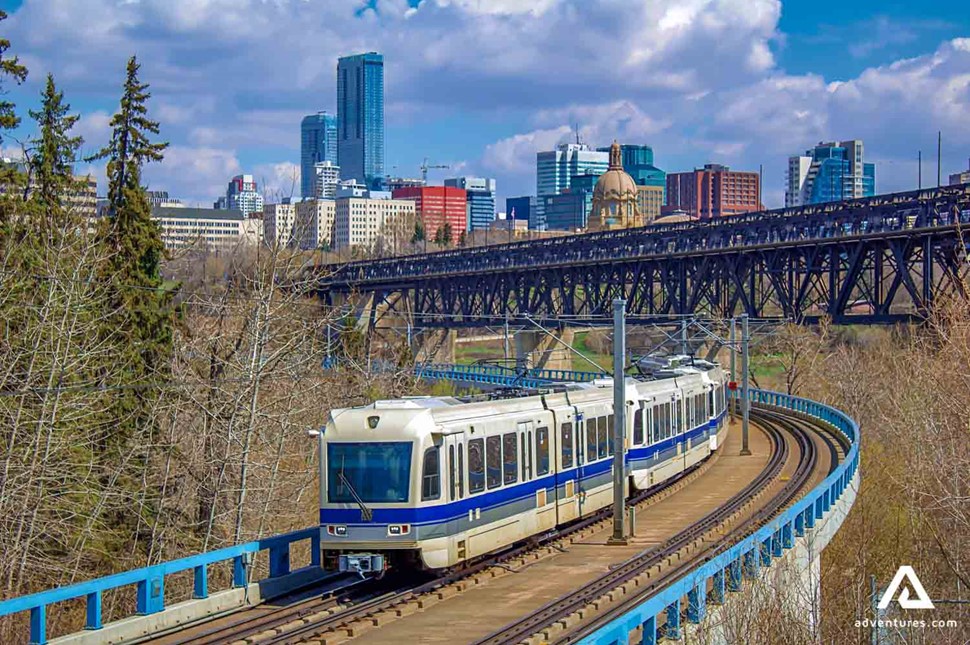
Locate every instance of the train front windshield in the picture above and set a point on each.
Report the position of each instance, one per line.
(368, 472)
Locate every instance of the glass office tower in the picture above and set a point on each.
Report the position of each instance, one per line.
(318, 143)
(360, 118)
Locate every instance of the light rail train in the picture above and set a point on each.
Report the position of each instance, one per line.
(434, 482)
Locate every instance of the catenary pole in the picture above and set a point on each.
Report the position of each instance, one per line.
(619, 420)
(745, 402)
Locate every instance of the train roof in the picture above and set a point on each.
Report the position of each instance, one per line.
(662, 372)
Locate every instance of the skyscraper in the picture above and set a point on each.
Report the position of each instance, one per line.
(481, 200)
(360, 118)
(830, 172)
(242, 195)
(555, 169)
(318, 143)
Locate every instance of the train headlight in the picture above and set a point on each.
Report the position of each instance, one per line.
(398, 529)
(338, 531)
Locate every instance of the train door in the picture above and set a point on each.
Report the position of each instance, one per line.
(580, 445)
(456, 491)
(564, 459)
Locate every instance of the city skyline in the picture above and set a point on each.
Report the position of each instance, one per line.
(455, 97)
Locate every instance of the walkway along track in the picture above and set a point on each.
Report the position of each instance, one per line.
(569, 618)
(340, 608)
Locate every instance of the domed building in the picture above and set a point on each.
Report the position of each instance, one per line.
(614, 198)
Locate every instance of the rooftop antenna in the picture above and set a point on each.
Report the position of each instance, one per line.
(576, 130)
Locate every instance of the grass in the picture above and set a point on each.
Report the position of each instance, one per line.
(605, 361)
(470, 353)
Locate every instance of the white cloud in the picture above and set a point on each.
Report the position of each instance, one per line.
(95, 128)
(199, 173)
(696, 78)
(517, 154)
(278, 180)
(501, 7)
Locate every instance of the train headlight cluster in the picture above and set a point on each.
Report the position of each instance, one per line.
(398, 529)
(338, 531)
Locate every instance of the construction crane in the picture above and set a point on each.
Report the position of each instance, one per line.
(425, 167)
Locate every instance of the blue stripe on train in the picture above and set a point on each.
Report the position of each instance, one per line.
(502, 496)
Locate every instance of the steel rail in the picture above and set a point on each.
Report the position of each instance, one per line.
(802, 432)
(363, 606)
(563, 607)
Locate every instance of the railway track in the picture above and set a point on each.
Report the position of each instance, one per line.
(565, 611)
(313, 617)
(341, 614)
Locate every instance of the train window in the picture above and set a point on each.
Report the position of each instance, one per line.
(369, 472)
(431, 474)
(542, 451)
(566, 444)
(529, 457)
(510, 456)
(591, 440)
(525, 475)
(451, 473)
(657, 417)
(476, 465)
(609, 434)
(601, 438)
(461, 471)
(638, 426)
(493, 462)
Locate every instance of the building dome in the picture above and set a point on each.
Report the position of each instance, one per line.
(614, 197)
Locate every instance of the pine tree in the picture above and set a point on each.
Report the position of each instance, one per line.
(54, 153)
(10, 176)
(145, 315)
(9, 67)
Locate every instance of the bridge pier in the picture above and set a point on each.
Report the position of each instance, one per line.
(541, 350)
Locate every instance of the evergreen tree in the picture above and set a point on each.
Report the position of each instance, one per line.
(9, 68)
(447, 234)
(54, 153)
(418, 233)
(134, 269)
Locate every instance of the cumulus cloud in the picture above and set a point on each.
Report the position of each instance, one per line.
(698, 79)
(278, 180)
(200, 173)
(517, 154)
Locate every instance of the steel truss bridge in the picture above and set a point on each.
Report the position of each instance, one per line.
(882, 259)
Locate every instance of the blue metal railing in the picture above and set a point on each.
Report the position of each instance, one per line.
(488, 374)
(726, 570)
(500, 375)
(150, 581)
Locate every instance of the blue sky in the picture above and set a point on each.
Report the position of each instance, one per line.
(483, 84)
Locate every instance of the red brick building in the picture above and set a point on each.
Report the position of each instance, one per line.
(713, 191)
(435, 205)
